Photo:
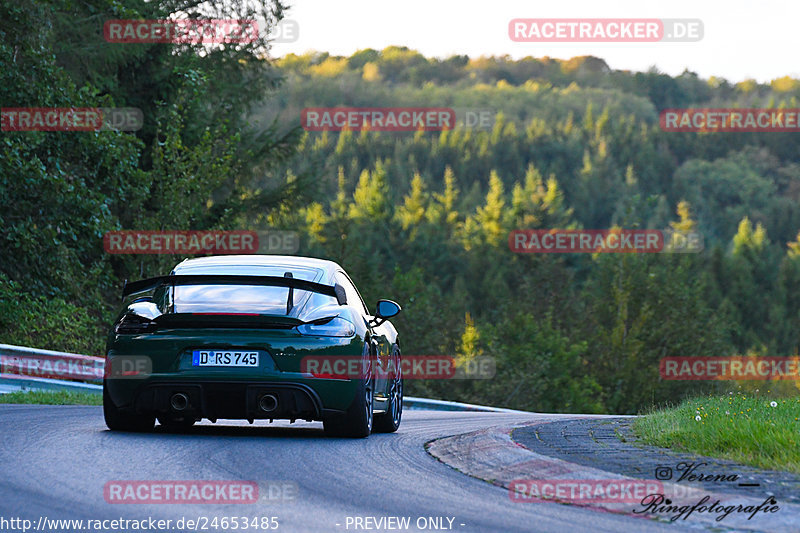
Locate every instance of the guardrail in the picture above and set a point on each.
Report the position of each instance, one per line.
(23, 368)
(34, 369)
(24, 361)
(410, 402)
(12, 383)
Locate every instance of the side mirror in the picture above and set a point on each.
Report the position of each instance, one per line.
(386, 309)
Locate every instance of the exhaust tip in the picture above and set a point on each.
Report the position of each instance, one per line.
(268, 403)
(179, 401)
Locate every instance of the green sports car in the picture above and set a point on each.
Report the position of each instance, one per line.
(230, 337)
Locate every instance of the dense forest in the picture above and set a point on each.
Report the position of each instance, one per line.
(422, 218)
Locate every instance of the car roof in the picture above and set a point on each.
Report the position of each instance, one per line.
(235, 263)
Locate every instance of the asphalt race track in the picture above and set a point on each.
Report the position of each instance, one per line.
(56, 461)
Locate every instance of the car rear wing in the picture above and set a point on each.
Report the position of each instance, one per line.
(337, 291)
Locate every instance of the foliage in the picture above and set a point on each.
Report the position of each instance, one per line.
(755, 429)
(52, 398)
(196, 163)
(419, 217)
(46, 323)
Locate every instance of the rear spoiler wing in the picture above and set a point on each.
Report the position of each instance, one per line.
(337, 291)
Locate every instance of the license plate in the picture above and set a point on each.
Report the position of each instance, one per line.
(224, 358)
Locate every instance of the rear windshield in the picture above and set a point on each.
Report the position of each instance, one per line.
(258, 299)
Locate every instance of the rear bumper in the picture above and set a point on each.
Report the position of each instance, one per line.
(227, 399)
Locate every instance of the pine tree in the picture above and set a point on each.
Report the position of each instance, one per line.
(538, 205)
(415, 205)
(371, 197)
(489, 223)
(443, 209)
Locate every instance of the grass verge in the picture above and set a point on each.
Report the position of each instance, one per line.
(52, 398)
(746, 428)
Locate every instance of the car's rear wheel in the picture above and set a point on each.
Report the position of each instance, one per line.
(389, 421)
(357, 422)
(117, 420)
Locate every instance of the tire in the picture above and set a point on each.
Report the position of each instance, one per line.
(357, 422)
(117, 420)
(176, 425)
(389, 421)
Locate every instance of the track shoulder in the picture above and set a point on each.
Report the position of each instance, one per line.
(589, 448)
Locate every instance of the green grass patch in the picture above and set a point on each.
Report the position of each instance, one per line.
(747, 428)
(52, 398)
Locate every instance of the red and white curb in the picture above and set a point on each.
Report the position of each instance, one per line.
(491, 455)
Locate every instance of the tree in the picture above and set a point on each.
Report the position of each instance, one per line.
(539, 205)
(415, 205)
(489, 223)
(371, 197)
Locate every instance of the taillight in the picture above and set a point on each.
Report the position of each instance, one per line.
(333, 327)
(131, 324)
